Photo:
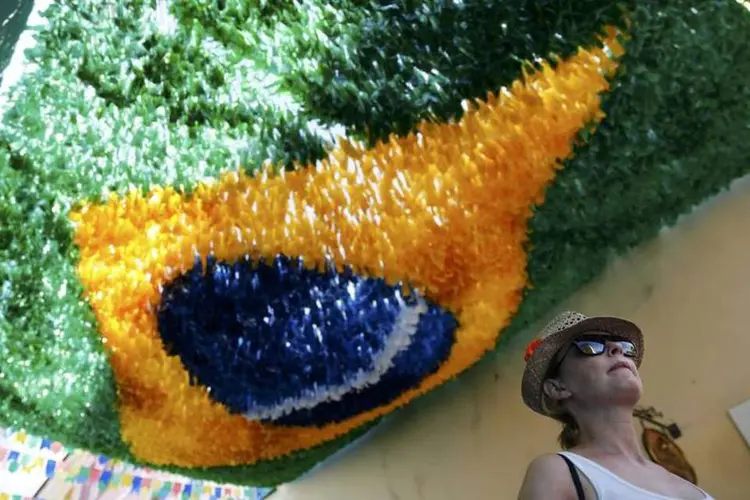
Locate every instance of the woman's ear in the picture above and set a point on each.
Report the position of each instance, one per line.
(555, 390)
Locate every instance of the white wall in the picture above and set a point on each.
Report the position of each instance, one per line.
(690, 292)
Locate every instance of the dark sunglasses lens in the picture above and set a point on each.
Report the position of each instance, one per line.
(594, 347)
(628, 348)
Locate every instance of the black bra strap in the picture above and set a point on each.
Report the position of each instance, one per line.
(576, 478)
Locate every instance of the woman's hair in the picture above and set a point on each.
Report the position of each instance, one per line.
(570, 435)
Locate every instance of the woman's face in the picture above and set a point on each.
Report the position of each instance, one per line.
(609, 378)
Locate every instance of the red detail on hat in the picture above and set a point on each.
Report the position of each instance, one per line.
(531, 348)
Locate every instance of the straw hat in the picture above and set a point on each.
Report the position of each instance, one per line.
(557, 334)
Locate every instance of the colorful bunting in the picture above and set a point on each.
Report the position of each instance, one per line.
(106, 473)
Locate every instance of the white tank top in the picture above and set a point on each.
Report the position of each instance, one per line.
(609, 486)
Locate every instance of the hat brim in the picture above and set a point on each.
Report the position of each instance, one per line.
(539, 363)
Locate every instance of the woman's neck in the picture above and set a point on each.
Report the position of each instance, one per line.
(609, 431)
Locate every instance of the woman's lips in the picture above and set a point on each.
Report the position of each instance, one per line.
(620, 364)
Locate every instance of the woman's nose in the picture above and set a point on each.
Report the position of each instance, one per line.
(613, 348)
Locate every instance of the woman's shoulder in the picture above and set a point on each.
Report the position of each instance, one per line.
(547, 476)
(548, 462)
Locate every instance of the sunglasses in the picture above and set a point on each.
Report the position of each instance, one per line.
(596, 345)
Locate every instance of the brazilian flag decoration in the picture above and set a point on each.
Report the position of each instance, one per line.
(235, 234)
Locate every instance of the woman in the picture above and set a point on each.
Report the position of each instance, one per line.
(583, 372)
